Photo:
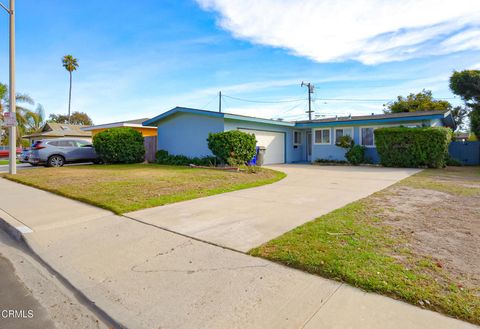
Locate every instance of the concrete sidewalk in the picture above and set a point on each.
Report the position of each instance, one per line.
(146, 277)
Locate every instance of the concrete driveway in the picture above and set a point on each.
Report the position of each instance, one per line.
(145, 277)
(245, 219)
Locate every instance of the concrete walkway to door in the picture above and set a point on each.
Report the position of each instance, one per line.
(245, 219)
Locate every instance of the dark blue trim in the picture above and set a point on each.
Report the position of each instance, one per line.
(446, 118)
(154, 120)
(258, 120)
(354, 122)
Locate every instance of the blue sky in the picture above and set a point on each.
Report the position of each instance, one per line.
(139, 59)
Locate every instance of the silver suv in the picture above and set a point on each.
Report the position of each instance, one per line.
(57, 152)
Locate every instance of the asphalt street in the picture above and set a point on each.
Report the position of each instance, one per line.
(18, 307)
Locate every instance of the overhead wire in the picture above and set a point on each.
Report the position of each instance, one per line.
(264, 101)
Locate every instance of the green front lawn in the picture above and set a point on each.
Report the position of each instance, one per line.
(414, 241)
(5, 162)
(124, 188)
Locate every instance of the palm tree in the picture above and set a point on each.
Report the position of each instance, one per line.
(70, 63)
(26, 118)
(36, 120)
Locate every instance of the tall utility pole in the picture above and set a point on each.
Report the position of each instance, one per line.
(12, 167)
(220, 101)
(310, 92)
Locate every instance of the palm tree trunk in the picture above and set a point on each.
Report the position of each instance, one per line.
(69, 96)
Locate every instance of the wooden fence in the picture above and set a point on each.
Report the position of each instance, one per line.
(468, 153)
(150, 143)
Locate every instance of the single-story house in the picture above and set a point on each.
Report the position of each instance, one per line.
(135, 124)
(57, 130)
(184, 131)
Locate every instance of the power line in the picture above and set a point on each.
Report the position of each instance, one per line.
(209, 102)
(321, 99)
(370, 100)
(262, 101)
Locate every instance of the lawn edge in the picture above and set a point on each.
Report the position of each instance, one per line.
(279, 175)
(256, 252)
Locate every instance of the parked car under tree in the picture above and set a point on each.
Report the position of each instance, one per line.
(57, 152)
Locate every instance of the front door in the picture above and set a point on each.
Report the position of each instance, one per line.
(309, 145)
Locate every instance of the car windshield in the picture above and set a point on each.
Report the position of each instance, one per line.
(37, 143)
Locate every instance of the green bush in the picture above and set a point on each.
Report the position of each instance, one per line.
(452, 162)
(162, 157)
(119, 145)
(345, 142)
(356, 155)
(413, 147)
(330, 161)
(233, 147)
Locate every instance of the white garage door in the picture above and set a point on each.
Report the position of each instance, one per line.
(274, 142)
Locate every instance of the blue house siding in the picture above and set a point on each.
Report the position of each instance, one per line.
(292, 154)
(185, 130)
(333, 152)
(186, 134)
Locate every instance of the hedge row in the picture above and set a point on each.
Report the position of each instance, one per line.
(162, 157)
(119, 145)
(413, 147)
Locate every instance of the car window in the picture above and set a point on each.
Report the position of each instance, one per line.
(83, 144)
(63, 143)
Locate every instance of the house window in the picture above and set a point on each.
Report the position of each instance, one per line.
(367, 137)
(340, 132)
(297, 138)
(322, 136)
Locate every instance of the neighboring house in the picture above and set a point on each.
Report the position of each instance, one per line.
(56, 130)
(184, 131)
(135, 124)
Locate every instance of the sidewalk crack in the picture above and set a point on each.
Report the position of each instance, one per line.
(322, 305)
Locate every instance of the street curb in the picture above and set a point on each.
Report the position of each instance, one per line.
(19, 237)
(11, 231)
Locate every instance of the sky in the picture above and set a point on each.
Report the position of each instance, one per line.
(142, 58)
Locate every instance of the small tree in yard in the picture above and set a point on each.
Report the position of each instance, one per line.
(119, 145)
(466, 84)
(422, 101)
(233, 147)
(355, 154)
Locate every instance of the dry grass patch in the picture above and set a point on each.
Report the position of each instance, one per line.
(124, 188)
(417, 240)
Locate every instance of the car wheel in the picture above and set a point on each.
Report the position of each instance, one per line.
(56, 161)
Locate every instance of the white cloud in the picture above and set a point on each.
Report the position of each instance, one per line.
(370, 31)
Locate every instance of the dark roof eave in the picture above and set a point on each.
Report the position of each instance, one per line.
(366, 121)
(155, 120)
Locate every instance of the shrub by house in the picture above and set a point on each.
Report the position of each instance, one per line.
(355, 154)
(119, 145)
(413, 147)
(233, 147)
(163, 157)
